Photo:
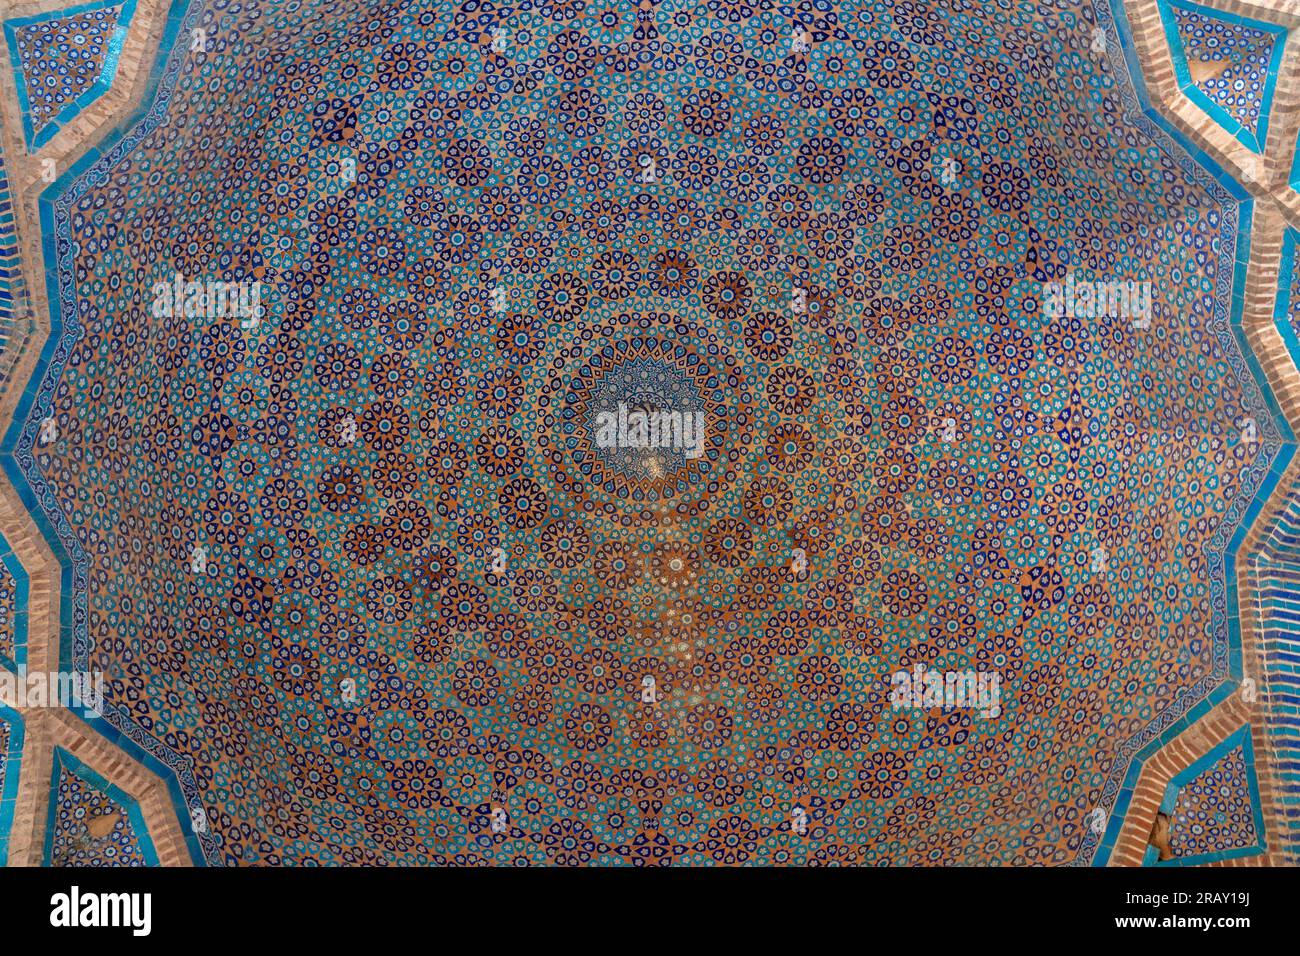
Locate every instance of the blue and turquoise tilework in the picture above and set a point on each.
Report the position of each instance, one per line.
(1227, 65)
(1277, 580)
(80, 795)
(10, 267)
(1213, 806)
(13, 610)
(314, 579)
(11, 750)
(63, 61)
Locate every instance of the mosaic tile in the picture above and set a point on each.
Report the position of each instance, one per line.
(1276, 575)
(92, 823)
(13, 610)
(1213, 811)
(63, 61)
(1230, 62)
(6, 783)
(4, 750)
(359, 566)
(1213, 805)
(11, 284)
(8, 618)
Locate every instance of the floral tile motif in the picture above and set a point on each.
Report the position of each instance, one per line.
(11, 738)
(8, 618)
(370, 537)
(1213, 811)
(92, 823)
(1228, 64)
(13, 610)
(1213, 806)
(64, 60)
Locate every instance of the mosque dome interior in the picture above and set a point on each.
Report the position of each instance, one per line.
(674, 432)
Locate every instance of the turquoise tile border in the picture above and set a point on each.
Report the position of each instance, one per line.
(115, 725)
(11, 272)
(63, 760)
(21, 590)
(1278, 577)
(1282, 305)
(1278, 446)
(1294, 181)
(37, 138)
(13, 761)
(1251, 139)
(1238, 738)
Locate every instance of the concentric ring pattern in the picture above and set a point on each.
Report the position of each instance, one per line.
(436, 620)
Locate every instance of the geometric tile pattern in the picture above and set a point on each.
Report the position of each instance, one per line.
(1213, 811)
(1277, 581)
(64, 60)
(11, 282)
(9, 610)
(1287, 307)
(1213, 805)
(93, 823)
(639, 186)
(1276, 578)
(13, 610)
(1227, 65)
(11, 742)
(96, 825)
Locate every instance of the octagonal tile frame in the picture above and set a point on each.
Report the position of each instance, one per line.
(1222, 159)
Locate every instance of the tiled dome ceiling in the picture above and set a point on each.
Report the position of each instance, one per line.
(364, 573)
